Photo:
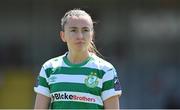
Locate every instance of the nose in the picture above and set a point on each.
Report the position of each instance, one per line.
(79, 35)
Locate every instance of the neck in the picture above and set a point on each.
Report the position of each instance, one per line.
(77, 57)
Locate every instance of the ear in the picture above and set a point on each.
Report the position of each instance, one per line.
(62, 36)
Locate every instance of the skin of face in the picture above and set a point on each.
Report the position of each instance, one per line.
(78, 33)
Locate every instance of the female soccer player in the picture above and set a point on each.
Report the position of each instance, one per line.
(78, 79)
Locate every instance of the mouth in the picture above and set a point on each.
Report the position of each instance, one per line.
(80, 42)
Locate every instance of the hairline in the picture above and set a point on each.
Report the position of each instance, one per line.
(76, 13)
(89, 19)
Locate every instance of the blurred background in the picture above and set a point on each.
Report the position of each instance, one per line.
(141, 38)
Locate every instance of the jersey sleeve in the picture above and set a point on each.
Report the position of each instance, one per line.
(111, 85)
(42, 86)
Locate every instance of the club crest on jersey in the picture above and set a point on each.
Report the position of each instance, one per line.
(92, 80)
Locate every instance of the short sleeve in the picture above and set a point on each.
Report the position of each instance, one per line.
(111, 84)
(42, 86)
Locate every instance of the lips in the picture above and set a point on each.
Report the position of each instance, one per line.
(80, 42)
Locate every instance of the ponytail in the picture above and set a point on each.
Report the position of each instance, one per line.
(92, 48)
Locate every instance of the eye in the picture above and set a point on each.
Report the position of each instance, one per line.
(73, 30)
(86, 30)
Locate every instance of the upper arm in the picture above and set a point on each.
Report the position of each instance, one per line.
(110, 85)
(42, 89)
(112, 103)
(111, 90)
(42, 102)
(42, 84)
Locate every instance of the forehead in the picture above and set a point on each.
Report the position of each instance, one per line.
(79, 21)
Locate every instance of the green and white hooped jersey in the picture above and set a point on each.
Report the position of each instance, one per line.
(78, 86)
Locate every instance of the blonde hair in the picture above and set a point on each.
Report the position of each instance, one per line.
(78, 12)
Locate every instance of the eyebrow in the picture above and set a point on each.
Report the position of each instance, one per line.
(82, 27)
(72, 27)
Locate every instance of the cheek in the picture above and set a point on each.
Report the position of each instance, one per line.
(88, 37)
(91, 36)
(68, 37)
(72, 35)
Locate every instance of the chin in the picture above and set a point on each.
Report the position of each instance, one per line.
(81, 50)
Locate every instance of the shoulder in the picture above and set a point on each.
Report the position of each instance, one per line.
(53, 62)
(101, 63)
